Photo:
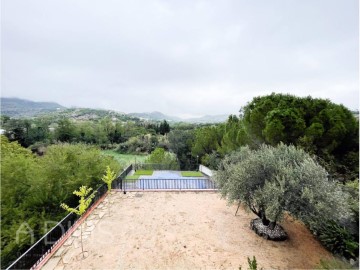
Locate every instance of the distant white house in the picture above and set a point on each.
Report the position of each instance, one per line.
(2, 131)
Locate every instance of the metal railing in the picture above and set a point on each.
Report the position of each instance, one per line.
(173, 184)
(44, 245)
(37, 252)
(117, 183)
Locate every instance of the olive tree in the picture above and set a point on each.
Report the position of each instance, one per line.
(273, 180)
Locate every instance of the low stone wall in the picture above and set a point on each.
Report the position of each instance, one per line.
(276, 234)
(205, 170)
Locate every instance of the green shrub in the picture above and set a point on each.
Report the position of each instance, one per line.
(333, 264)
(33, 187)
(338, 240)
(252, 263)
(163, 159)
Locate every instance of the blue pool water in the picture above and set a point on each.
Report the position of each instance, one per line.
(170, 180)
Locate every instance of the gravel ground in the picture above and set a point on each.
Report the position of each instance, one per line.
(185, 230)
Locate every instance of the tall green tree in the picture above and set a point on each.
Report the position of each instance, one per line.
(180, 143)
(207, 140)
(319, 126)
(66, 131)
(160, 156)
(164, 128)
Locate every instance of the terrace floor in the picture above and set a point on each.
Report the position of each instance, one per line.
(180, 230)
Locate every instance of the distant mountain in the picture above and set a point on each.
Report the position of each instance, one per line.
(208, 119)
(84, 114)
(21, 108)
(16, 107)
(156, 116)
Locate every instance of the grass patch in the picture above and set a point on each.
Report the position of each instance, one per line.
(132, 177)
(144, 172)
(191, 174)
(125, 159)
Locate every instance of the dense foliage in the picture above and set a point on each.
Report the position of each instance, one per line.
(180, 142)
(32, 188)
(160, 157)
(318, 126)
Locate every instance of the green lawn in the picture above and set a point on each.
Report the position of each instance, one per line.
(144, 172)
(125, 159)
(191, 174)
(132, 177)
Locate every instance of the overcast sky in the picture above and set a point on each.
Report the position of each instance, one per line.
(183, 58)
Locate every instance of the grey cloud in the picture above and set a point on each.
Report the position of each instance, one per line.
(179, 57)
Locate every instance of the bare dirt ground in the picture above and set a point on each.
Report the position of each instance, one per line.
(186, 230)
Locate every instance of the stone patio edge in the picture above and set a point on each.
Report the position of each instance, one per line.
(68, 233)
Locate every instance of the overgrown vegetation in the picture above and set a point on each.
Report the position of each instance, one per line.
(331, 264)
(33, 187)
(160, 159)
(318, 126)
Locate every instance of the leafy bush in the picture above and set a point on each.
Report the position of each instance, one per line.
(140, 144)
(333, 264)
(338, 240)
(33, 188)
(166, 159)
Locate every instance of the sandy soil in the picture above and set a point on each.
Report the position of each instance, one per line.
(189, 230)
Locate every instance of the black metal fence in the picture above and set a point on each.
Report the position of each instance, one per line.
(173, 184)
(117, 183)
(37, 252)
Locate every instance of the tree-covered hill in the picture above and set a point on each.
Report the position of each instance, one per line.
(85, 114)
(16, 107)
(21, 108)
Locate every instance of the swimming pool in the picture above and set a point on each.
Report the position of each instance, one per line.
(169, 180)
(188, 183)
